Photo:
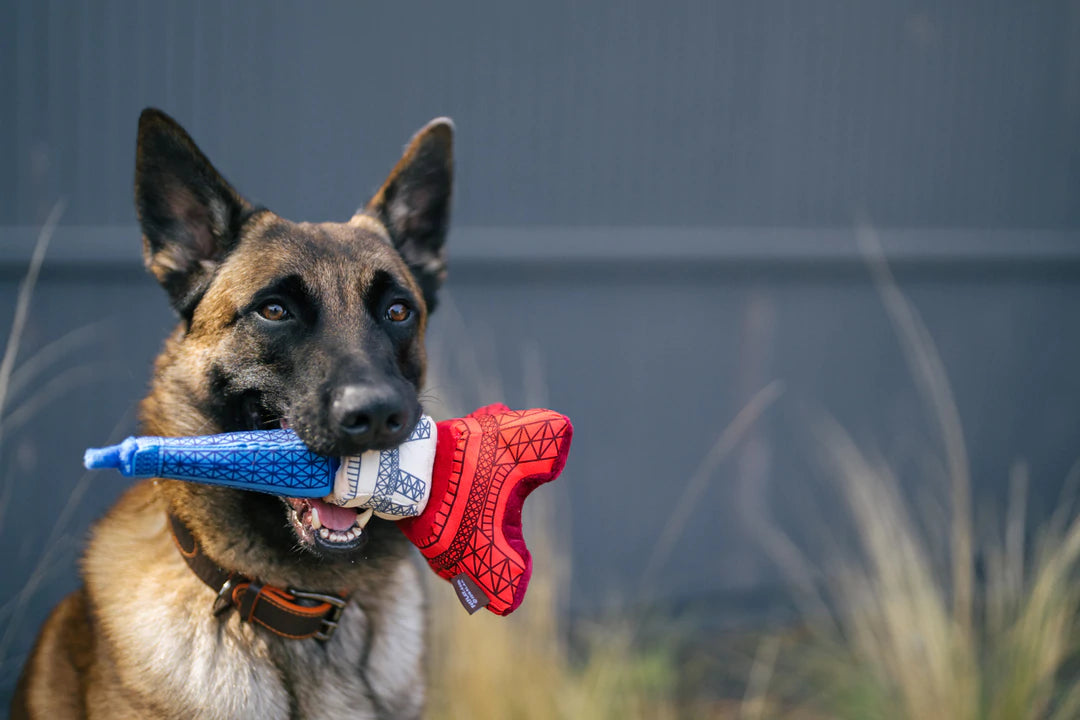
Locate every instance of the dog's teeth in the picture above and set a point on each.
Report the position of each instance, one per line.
(315, 522)
(324, 533)
(362, 519)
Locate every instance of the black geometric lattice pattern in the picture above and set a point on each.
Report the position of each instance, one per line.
(478, 494)
(512, 446)
(492, 569)
(499, 456)
(392, 481)
(524, 443)
(272, 460)
(422, 431)
(352, 473)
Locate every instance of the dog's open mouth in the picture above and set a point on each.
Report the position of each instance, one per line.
(318, 523)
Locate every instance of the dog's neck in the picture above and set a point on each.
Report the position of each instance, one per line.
(296, 614)
(159, 623)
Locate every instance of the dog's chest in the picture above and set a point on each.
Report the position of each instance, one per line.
(332, 680)
(165, 653)
(237, 670)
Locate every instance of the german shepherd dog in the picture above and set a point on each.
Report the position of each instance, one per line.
(317, 327)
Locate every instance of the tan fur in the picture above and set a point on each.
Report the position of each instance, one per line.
(365, 221)
(148, 646)
(139, 640)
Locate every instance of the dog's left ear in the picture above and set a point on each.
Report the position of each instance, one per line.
(414, 204)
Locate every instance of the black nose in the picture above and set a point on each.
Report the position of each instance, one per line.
(370, 415)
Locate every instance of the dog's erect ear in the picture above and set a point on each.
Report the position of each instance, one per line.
(190, 216)
(414, 204)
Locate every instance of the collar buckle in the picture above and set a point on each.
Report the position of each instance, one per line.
(224, 601)
(330, 622)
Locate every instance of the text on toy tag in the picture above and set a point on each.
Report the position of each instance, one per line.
(469, 593)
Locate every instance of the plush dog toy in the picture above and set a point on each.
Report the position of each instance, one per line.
(455, 487)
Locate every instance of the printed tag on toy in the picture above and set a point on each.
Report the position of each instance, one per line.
(469, 593)
(395, 483)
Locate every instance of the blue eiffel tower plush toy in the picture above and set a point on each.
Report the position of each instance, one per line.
(395, 483)
(271, 461)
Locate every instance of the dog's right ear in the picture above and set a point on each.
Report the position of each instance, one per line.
(414, 204)
(190, 216)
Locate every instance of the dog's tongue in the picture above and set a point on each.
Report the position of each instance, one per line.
(334, 517)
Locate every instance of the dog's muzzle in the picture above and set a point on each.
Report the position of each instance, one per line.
(395, 483)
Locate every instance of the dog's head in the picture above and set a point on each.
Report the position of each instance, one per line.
(317, 327)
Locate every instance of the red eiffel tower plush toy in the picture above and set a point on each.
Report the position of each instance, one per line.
(486, 464)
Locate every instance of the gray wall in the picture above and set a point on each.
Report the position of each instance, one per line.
(699, 112)
(652, 223)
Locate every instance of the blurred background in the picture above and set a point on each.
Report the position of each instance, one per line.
(668, 218)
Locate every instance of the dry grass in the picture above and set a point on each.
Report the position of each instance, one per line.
(911, 631)
(521, 667)
(913, 635)
(530, 664)
(897, 647)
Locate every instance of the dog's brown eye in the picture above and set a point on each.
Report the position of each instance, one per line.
(274, 311)
(398, 312)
